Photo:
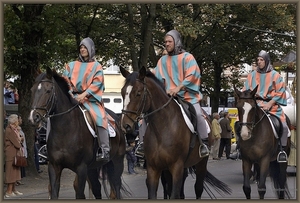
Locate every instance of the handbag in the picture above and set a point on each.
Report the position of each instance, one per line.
(20, 161)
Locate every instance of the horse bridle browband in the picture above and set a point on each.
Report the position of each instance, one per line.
(139, 112)
(53, 103)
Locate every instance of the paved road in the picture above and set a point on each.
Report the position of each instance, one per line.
(229, 171)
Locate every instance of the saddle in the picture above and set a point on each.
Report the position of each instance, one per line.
(277, 124)
(189, 110)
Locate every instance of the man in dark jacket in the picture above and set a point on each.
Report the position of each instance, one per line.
(226, 136)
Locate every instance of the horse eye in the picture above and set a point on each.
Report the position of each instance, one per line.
(48, 91)
(138, 93)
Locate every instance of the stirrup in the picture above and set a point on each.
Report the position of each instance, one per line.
(201, 149)
(282, 157)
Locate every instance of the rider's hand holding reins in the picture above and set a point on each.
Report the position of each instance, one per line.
(267, 106)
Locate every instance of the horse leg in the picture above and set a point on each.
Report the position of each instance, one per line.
(164, 182)
(263, 173)
(81, 173)
(201, 171)
(54, 177)
(185, 175)
(247, 175)
(93, 178)
(177, 179)
(152, 181)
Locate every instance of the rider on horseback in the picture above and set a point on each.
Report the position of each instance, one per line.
(86, 80)
(181, 75)
(271, 93)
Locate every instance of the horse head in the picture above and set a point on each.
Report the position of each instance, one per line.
(134, 93)
(43, 98)
(246, 105)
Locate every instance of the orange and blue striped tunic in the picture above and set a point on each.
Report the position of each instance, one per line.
(89, 77)
(180, 69)
(270, 86)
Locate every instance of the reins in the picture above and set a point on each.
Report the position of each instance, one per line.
(139, 112)
(253, 124)
(53, 103)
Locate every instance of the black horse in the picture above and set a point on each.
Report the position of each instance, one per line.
(70, 143)
(259, 147)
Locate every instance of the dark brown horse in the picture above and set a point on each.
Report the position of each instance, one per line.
(259, 146)
(168, 142)
(70, 143)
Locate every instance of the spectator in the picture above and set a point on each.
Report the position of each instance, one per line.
(12, 148)
(216, 132)
(226, 136)
(221, 113)
(131, 158)
(24, 148)
(8, 94)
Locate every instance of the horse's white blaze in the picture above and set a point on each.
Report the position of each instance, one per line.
(39, 86)
(127, 99)
(31, 117)
(245, 133)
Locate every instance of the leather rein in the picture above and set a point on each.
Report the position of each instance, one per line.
(51, 103)
(140, 112)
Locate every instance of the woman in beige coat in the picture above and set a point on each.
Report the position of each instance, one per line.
(13, 144)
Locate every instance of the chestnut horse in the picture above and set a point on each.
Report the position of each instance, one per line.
(259, 146)
(168, 142)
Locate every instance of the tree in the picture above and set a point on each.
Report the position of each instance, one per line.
(22, 56)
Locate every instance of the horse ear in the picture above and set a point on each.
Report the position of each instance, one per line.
(142, 73)
(49, 72)
(124, 72)
(236, 91)
(253, 92)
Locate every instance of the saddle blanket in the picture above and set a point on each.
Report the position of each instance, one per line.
(188, 121)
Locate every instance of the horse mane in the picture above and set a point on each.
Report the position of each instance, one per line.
(63, 84)
(149, 74)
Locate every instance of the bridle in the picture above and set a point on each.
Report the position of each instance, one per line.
(140, 112)
(254, 122)
(48, 108)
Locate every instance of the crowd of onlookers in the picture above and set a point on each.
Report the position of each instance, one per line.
(222, 133)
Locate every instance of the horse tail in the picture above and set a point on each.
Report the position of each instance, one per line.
(221, 187)
(114, 182)
(278, 179)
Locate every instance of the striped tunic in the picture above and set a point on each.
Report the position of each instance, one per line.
(180, 69)
(270, 86)
(88, 76)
